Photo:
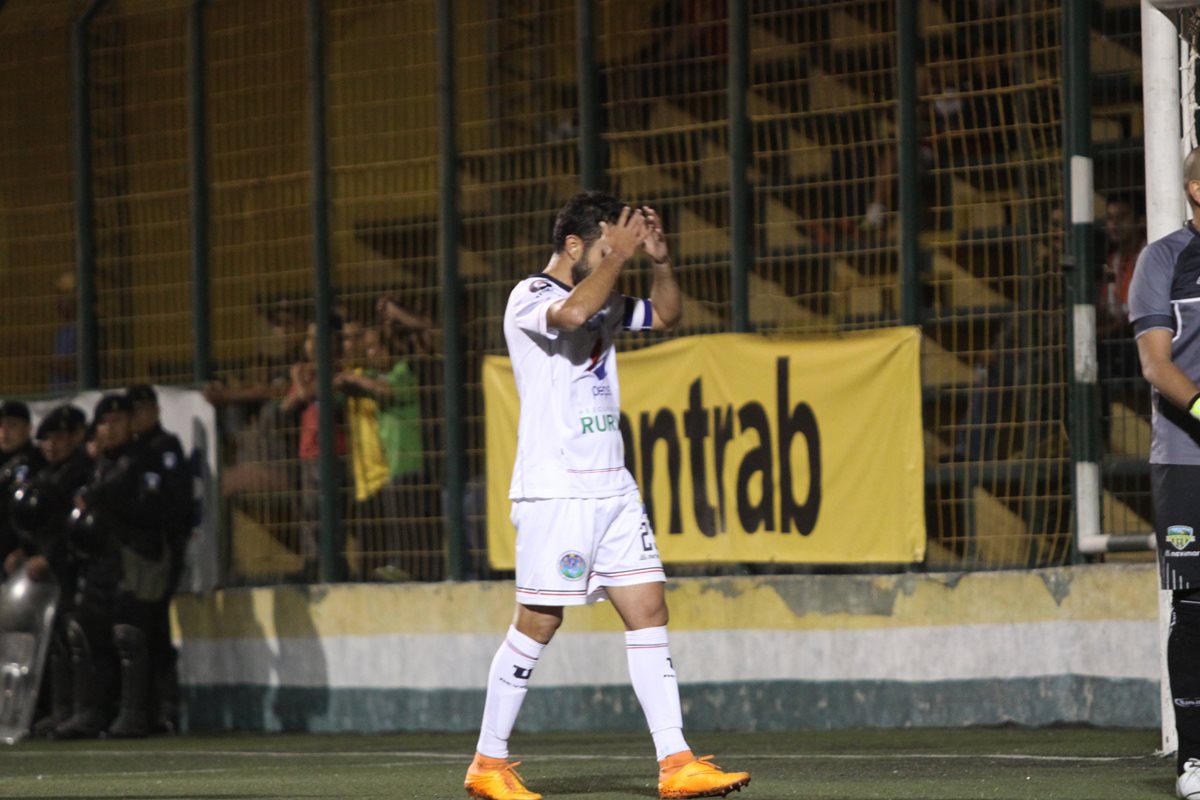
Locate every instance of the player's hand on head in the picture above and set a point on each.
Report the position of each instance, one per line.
(655, 242)
(624, 236)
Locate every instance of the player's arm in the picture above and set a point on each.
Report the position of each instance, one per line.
(1155, 324)
(665, 297)
(618, 243)
(1154, 350)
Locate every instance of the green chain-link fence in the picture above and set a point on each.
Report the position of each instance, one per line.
(650, 85)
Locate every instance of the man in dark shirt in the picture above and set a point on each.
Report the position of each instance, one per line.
(118, 540)
(165, 455)
(19, 459)
(1164, 308)
(40, 509)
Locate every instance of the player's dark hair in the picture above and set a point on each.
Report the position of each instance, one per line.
(582, 215)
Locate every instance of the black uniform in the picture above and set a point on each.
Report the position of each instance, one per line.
(119, 548)
(1162, 297)
(163, 452)
(40, 509)
(16, 467)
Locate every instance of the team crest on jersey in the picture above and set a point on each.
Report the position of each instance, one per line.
(1180, 536)
(572, 565)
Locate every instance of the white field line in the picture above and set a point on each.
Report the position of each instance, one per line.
(730, 757)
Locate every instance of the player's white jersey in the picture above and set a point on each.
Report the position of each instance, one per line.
(568, 439)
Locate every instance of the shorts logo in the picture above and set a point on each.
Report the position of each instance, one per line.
(572, 565)
(1180, 536)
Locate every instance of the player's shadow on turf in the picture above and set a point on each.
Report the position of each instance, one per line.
(210, 705)
(303, 690)
(594, 784)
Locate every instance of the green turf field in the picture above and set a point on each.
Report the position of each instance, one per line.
(997, 764)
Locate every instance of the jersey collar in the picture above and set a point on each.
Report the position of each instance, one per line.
(547, 277)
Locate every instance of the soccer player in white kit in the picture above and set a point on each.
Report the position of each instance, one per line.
(582, 531)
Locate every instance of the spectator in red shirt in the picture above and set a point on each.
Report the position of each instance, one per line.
(303, 399)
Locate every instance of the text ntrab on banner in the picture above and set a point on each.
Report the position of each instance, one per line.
(749, 448)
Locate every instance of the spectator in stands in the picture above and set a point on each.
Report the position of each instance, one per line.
(383, 376)
(403, 336)
(258, 441)
(303, 400)
(962, 113)
(265, 378)
(63, 364)
(1116, 351)
(1019, 354)
(683, 59)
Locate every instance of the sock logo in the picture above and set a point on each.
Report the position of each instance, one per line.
(522, 673)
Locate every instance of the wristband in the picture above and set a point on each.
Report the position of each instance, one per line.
(1193, 406)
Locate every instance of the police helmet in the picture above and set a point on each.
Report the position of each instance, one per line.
(142, 393)
(110, 403)
(14, 409)
(64, 419)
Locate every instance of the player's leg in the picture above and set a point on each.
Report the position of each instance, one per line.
(508, 678)
(1177, 518)
(553, 538)
(628, 569)
(1183, 654)
(491, 775)
(643, 609)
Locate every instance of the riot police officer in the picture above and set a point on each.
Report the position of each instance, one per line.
(119, 542)
(42, 502)
(164, 453)
(39, 509)
(19, 458)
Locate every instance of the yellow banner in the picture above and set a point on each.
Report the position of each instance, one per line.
(755, 449)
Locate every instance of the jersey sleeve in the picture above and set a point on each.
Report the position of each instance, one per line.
(638, 314)
(1150, 291)
(529, 304)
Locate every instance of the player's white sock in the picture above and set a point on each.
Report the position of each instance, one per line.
(653, 676)
(507, 683)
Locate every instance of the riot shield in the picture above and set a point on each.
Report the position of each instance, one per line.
(26, 623)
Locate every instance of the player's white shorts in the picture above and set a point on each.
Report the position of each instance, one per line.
(569, 549)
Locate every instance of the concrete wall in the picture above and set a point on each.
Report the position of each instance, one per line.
(1076, 645)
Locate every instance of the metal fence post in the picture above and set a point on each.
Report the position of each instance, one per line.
(740, 198)
(330, 544)
(448, 226)
(589, 100)
(907, 162)
(198, 180)
(1083, 421)
(86, 344)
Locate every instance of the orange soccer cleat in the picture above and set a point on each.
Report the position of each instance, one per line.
(684, 775)
(496, 779)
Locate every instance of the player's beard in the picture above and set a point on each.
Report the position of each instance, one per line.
(581, 269)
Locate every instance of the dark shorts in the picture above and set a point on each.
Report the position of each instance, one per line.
(1176, 493)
